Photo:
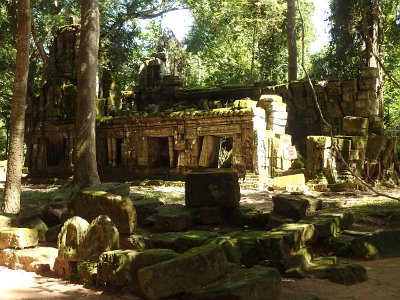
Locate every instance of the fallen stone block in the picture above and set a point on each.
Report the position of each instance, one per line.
(325, 227)
(256, 246)
(145, 207)
(212, 189)
(193, 269)
(72, 233)
(256, 283)
(249, 217)
(87, 272)
(36, 259)
(179, 241)
(382, 244)
(297, 265)
(120, 267)
(340, 244)
(65, 269)
(348, 275)
(230, 246)
(302, 233)
(90, 203)
(116, 188)
(102, 235)
(8, 220)
(295, 206)
(40, 226)
(275, 221)
(343, 218)
(173, 217)
(20, 238)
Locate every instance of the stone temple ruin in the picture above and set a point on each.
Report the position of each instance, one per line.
(163, 130)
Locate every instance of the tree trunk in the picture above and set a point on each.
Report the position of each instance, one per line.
(12, 190)
(292, 47)
(85, 166)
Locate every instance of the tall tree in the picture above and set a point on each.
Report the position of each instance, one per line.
(12, 190)
(292, 47)
(85, 165)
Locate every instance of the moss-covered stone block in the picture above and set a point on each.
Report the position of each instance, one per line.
(8, 220)
(20, 238)
(256, 283)
(102, 235)
(174, 217)
(90, 203)
(249, 216)
(145, 207)
(325, 227)
(296, 265)
(65, 269)
(295, 206)
(355, 126)
(382, 244)
(40, 226)
(87, 272)
(263, 245)
(343, 218)
(120, 267)
(179, 241)
(212, 189)
(230, 246)
(275, 221)
(302, 233)
(340, 244)
(348, 274)
(193, 269)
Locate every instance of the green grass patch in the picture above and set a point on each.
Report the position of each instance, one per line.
(43, 196)
(380, 213)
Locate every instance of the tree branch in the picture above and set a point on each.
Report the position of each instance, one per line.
(39, 46)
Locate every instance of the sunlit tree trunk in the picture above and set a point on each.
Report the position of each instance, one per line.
(12, 190)
(85, 166)
(292, 47)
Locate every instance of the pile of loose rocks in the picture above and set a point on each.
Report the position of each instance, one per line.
(209, 248)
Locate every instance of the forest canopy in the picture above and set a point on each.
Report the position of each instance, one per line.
(229, 42)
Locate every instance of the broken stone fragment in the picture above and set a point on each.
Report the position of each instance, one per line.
(32, 260)
(295, 206)
(20, 238)
(190, 270)
(72, 233)
(102, 235)
(40, 226)
(297, 265)
(383, 244)
(212, 189)
(173, 217)
(249, 216)
(90, 203)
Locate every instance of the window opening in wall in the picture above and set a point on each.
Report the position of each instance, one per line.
(158, 152)
(216, 152)
(55, 151)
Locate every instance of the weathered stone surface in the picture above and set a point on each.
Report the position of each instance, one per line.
(325, 227)
(102, 235)
(40, 226)
(29, 213)
(340, 244)
(8, 220)
(230, 246)
(275, 220)
(382, 244)
(256, 283)
(305, 233)
(212, 189)
(65, 268)
(179, 241)
(248, 216)
(355, 126)
(72, 233)
(295, 206)
(145, 207)
(173, 217)
(193, 269)
(120, 267)
(13, 237)
(116, 188)
(261, 245)
(297, 265)
(87, 272)
(349, 274)
(89, 204)
(211, 215)
(32, 260)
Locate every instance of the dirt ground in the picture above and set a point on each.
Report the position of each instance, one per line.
(383, 282)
